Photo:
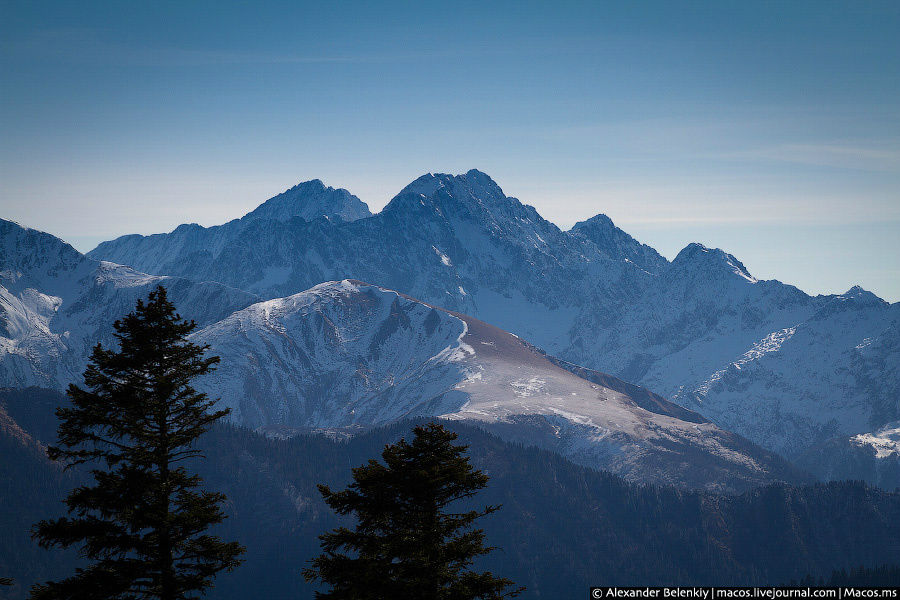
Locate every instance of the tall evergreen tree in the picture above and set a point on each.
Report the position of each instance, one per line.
(143, 522)
(407, 544)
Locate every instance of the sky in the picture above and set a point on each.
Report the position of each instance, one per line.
(769, 129)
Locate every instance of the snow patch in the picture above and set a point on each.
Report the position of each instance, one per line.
(123, 277)
(740, 272)
(456, 353)
(444, 258)
(885, 441)
(769, 344)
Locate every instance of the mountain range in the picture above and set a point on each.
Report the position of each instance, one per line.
(349, 355)
(761, 358)
(791, 372)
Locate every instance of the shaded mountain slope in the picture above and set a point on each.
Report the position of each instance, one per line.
(562, 527)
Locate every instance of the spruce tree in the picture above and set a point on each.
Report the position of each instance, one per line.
(143, 522)
(407, 544)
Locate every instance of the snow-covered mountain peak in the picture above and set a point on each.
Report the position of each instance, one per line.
(121, 276)
(329, 291)
(697, 259)
(341, 307)
(473, 194)
(474, 210)
(32, 258)
(425, 185)
(857, 293)
(26, 247)
(598, 221)
(474, 182)
(482, 184)
(187, 227)
(614, 243)
(310, 200)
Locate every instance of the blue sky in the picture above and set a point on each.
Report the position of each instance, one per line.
(771, 130)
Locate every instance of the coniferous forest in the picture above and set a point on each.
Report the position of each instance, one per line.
(561, 527)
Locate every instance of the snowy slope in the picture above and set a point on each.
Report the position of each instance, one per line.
(758, 357)
(332, 356)
(348, 353)
(55, 304)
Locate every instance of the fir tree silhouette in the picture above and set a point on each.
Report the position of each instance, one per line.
(407, 544)
(143, 521)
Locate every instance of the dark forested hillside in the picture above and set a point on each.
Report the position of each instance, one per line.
(31, 487)
(562, 527)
